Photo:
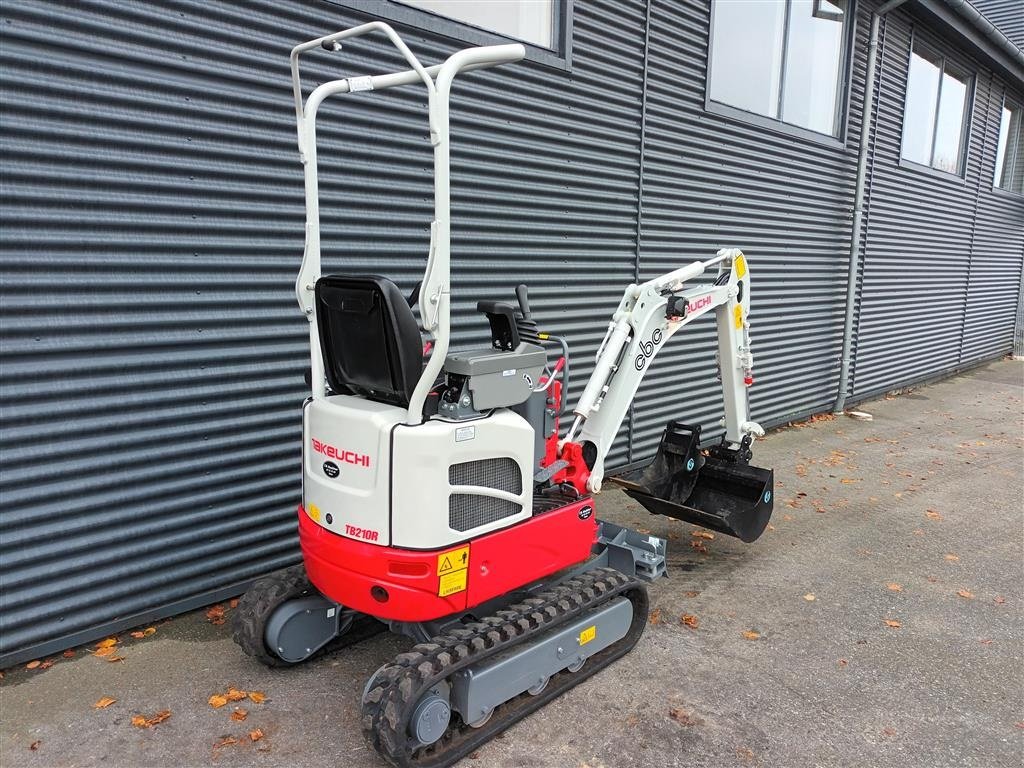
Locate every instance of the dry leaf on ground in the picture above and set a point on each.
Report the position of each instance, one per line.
(894, 623)
(699, 546)
(751, 634)
(234, 694)
(215, 614)
(257, 697)
(999, 600)
(931, 514)
(655, 617)
(138, 635)
(966, 594)
(255, 735)
(68, 654)
(690, 620)
(888, 731)
(104, 651)
(892, 586)
(703, 535)
(691, 593)
(225, 742)
(809, 597)
(683, 717)
(103, 703)
(35, 745)
(239, 714)
(33, 664)
(843, 662)
(217, 701)
(952, 558)
(149, 631)
(115, 658)
(140, 721)
(108, 643)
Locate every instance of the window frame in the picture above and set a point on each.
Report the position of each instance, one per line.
(559, 57)
(966, 126)
(839, 140)
(1019, 103)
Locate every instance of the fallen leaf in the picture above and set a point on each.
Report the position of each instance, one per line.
(966, 594)
(848, 481)
(234, 694)
(105, 651)
(691, 593)
(751, 634)
(140, 721)
(744, 754)
(115, 658)
(888, 731)
(33, 664)
(239, 714)
(655, 617)
(809, 597)
(703, 535)
(952, 558)
(35, 745)
(225, 742)
(985, 642)
(999, 600)
(788, 518)
(103, 703)
(699, 546)
(892, 586)
(138, 635)
(256, 735)
(68, 654)
(257, 697)
(234, 603)
(843, 662)
(215, 614)
(683, 717)
(931, 514)
(48, 663)
(149, 631)
(893, 623)
(690, 620)
(217, 701)
(108, 643)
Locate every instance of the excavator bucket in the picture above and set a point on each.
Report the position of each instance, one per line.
(715, 491)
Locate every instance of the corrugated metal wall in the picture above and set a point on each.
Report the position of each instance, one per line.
(152, 210)
(1007, 15)
(943, 254)
(153, 226)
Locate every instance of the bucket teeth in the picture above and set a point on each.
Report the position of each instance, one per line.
(715, 491)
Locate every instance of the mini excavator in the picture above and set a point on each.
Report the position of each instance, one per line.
(439, 500)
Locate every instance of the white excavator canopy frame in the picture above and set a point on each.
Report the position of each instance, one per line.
(435, 290)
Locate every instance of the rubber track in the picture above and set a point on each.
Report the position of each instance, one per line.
(249, 619)
(398, 686)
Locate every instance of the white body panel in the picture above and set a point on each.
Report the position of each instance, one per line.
(354, 435)
(421, 456)
(359, 441)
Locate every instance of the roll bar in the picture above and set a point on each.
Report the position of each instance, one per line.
(435, 306)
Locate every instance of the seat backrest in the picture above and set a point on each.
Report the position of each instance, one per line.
(369, 338)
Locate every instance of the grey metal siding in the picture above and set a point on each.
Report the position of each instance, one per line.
(1007, 15)
(153, 225)
(938, 247)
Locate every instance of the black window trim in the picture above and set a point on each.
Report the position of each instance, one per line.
(839, 141)
(1019, 103)
(966, 127)
(559, 57)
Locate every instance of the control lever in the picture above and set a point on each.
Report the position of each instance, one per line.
(524, 301)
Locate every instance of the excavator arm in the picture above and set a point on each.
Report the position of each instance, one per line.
(717, 487)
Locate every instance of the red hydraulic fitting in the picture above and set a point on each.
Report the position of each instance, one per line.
(748, 378)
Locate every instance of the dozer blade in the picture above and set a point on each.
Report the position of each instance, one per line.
(726, 496)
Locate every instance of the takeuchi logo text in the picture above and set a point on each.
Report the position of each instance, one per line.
(698, 304)
(340, 454)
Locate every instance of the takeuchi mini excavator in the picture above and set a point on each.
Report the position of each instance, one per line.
(438, 500)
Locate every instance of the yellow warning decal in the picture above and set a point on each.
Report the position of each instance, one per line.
(588, 634)
(314, 512)
(455, 560)
(451, 583)
(741, 266)
(737, 315)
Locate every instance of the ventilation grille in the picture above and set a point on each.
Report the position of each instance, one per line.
(467, 511)
(502, 474)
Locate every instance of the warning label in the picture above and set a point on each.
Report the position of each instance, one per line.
(452, 567)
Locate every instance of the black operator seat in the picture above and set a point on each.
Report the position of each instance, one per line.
(369, 338)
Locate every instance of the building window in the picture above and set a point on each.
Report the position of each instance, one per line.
(532, 21)
(782, 59)
(1010, 151)
(936, 110)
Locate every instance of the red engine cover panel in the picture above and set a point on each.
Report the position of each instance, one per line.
(353, 572)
